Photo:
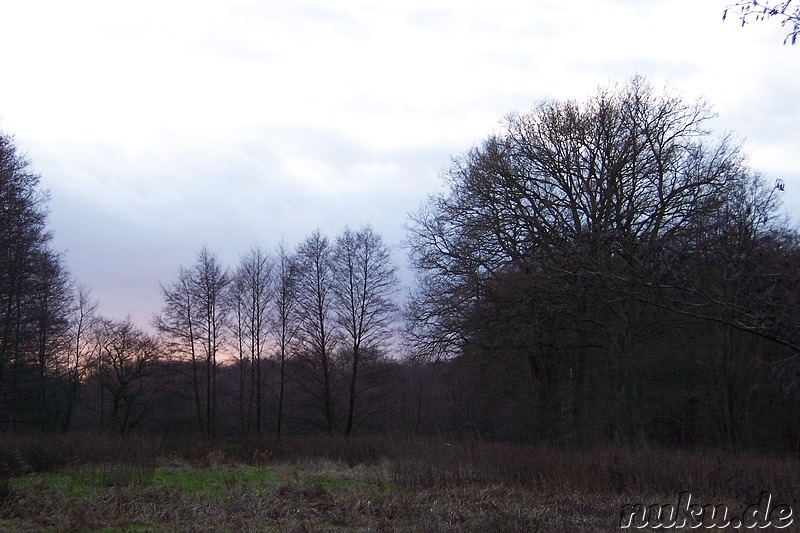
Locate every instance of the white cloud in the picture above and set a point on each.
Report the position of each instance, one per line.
(161, 126)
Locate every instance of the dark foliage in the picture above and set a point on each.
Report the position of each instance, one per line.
(35, 300)
(607, 273)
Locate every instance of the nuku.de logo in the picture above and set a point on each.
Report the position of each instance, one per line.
(685, 514)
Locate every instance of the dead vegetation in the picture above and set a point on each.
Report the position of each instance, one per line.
(83, 483)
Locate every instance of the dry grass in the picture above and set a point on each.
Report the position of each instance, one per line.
(311, 496)
(365, 484)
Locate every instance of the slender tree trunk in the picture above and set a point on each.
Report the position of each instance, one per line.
(42, 363)
(283, 381)
(74, 381)
(326, 377)
(242, 420)
(102, 397)
(258, 395)
(214, 381)
(17, 363)
(195, 377)
(353, 380)
(209, 397)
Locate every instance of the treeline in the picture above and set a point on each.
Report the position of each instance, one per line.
(296, 340)
(596, 272)
(322, 315)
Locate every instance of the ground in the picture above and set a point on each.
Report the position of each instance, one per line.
(418, 486)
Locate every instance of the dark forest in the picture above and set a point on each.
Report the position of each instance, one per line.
(597, 272)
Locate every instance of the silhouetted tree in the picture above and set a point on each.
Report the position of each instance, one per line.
(251, 293)
(316, 330)
(568, 189)
(177, 322)
(364, 282)
(78, 357)
(285, 325)
(237, 326)
(211, 281)
(576, 240)
(126, 358)
(51, 307)
(35, 292)
(193, 321)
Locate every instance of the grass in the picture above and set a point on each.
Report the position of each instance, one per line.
(310, 496)
(190, 481)
(364, 484)
(231, 497)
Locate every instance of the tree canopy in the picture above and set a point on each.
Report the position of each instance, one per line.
(583, 236)
(35, 297)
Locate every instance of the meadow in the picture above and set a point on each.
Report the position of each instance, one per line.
(103, 483)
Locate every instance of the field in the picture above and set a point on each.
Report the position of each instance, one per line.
(91, 483)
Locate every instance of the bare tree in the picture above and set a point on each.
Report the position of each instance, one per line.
(598, 188)
(236, 323)
(193, 320)
(286, 324)
(573, 239)
(316, 321)
(126, 358)
(54, 299)
(78, 358)
(251, 291)
(210, 283)
(364, 284)
(178, 323)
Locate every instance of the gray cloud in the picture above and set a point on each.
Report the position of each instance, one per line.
(241, 122)
(128, 220)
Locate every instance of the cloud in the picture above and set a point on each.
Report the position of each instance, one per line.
(163, 126)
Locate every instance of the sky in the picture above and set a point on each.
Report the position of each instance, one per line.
(163, 126)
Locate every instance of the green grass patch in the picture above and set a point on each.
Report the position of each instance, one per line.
(190, 481)
(186, 481)
(327, 475)
(332, 483)
(62, 482)
(84, 481)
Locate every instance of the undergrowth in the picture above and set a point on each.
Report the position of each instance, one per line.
(95, 482)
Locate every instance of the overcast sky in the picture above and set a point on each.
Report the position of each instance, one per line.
(162, 126)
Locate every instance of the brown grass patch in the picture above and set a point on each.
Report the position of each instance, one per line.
(368, 483)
